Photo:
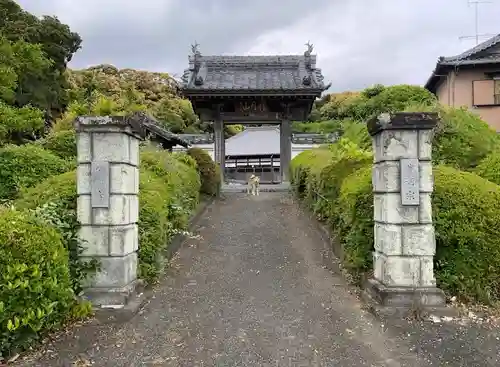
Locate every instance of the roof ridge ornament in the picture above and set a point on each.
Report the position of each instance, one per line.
(195, 50)
(307, 55)
(196, 54)
(309, 50)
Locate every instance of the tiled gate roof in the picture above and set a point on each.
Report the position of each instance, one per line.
(253, 73)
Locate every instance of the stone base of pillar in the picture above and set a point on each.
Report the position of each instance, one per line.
(116, 304)
(405, 301)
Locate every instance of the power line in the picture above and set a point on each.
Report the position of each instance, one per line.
(477, 35)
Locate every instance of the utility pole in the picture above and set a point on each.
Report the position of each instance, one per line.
(477, 36)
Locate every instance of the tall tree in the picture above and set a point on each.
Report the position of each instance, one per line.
(48, 91)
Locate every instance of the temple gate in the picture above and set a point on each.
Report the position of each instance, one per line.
(253, 90)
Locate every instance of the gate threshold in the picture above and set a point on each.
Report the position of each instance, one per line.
(280, 187)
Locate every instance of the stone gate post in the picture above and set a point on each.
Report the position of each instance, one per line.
(405, 244)
(108, 209)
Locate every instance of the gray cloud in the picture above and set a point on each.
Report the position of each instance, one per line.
(358, 42)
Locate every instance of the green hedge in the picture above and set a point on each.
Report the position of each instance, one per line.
(55, 200)
(489, 167)
(35, 286)
(61, 143)
(25, 166)
(466, 213)
(208, 171)
(154, 226)
(168, 194)
(462, 139)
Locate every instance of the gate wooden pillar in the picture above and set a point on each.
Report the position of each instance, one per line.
(285, 149)
(220, 146)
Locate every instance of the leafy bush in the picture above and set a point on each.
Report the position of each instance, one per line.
(317, 127)
(54, 200)
(19, 124)
(168, 193)
(353, 224)
(393, 99)
(208, 171)
(35, 286)
(466, 212)
(154, 226)
(462, 139)
(25, 166)
(331, 176)
(183, 157)
(489, 167)
(61, 143)
(374, 100)
(300, 168)
(182, 181)
(320, 172)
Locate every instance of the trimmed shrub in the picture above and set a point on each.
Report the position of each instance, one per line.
(489, 168)
(462, 139)
(25, 166)
(59, 189)
(208, 171)
(54, 200)
(347, 158)
(182, 181)
(61, 143)
(155, 229)
(322, 171)
(466, 212)
(300, 167)
(168, 193)
(357, 132)
(35, 286)
(353, 224)
(183, 157)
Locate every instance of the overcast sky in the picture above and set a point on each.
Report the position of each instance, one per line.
(358, 42)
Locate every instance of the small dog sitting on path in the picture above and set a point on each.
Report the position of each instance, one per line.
(253, 185)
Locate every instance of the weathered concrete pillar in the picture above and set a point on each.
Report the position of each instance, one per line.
(404, 234)
(108, 208)
(220, 146)
(285, 148)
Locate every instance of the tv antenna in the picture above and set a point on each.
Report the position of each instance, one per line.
(477, 35)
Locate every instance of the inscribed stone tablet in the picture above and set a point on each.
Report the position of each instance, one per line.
(99, 183)
(409, 181)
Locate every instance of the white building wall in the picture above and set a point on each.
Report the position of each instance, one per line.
(209, 148)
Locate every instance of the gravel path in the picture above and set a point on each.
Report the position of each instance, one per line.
(255, 291)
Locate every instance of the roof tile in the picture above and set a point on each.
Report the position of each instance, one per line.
(266, 73)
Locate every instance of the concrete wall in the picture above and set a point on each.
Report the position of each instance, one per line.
(456, 90)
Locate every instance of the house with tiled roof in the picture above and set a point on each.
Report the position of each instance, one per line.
(472, 80)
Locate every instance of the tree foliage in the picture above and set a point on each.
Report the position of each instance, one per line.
(43, 87)
(18, 62)
(104, 89)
